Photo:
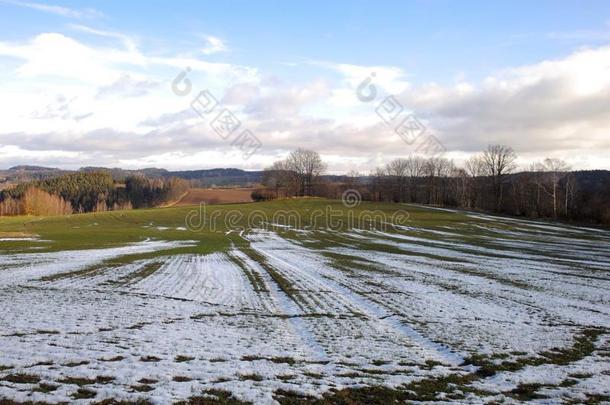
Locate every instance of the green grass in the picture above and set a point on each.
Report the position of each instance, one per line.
(213, 397)
(582, 346)
(84, 393)
(21, 378)
(116, 228)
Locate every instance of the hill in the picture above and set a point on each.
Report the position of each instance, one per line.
(248, 299)
(202, 178)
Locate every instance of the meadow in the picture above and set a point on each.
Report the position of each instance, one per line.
(302, 301)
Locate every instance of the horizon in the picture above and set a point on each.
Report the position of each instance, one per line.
(99, 84)
(328, 173)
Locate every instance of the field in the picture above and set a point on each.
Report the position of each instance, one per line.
(302, 301)
(197, 196)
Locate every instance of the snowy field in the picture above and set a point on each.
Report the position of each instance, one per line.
(490, 310)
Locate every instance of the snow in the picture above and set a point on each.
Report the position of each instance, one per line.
(31, 266)
(376, 318)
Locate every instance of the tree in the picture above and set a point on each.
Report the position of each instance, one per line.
(278, 176)
(555, 170)
(475, 168)
(498, 160)
(307, 166)
(397, 171)
(415, 169)
(436, 170)
(39, 202)
(378, 183)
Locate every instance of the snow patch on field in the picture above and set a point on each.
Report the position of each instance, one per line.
(374, 308)
(21, 268)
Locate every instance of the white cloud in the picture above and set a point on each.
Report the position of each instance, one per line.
(56, 55)
(128, 86)
(57, 10)
(128, 42)
(555, 107)
(390, 79)
(113, 105)
(214, 45)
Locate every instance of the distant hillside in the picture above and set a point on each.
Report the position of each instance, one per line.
(24, 173)
(202, 178)
(590, 181)
(26, 168)
(221, 177)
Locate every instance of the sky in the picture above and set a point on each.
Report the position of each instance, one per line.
(205, 84)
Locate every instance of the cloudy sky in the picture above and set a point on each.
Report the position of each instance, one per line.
(114, 83)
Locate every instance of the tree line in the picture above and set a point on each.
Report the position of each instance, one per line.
(488, 181)
(88, 192)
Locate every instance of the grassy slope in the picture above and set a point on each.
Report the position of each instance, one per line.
(116, 228)
(87, 231)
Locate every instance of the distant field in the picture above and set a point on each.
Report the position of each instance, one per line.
(196, 196)
(303, 301)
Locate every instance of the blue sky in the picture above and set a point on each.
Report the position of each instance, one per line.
(433, 40)
(305, 53)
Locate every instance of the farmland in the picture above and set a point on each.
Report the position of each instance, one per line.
(195, 196)
(302, 301)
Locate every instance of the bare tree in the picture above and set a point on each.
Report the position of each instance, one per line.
(415, 170)
(397, 170)
(555, 170)
(475, 168)
(378, 183)
(499, 160)
(307, 165)
(352, 179)
(537, 170)
(436, 169)
(570, 192)
(278, 176)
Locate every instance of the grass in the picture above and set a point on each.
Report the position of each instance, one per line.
(251, 377)
(276, 360)
(21, 378)
(583, 346)
(282, 282)
(368, 396)
(213, 397)
(76, 363)
(84, 393)
(81, 381)
(46, 388)
(114, 229)
(117, 228)
(142, 388)
(256, 281)
(183, 359)
(150, 359)
(112, 359)
(454, 386)
(143, 272)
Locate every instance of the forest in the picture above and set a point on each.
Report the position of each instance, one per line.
(88, 192)
(488, 181)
